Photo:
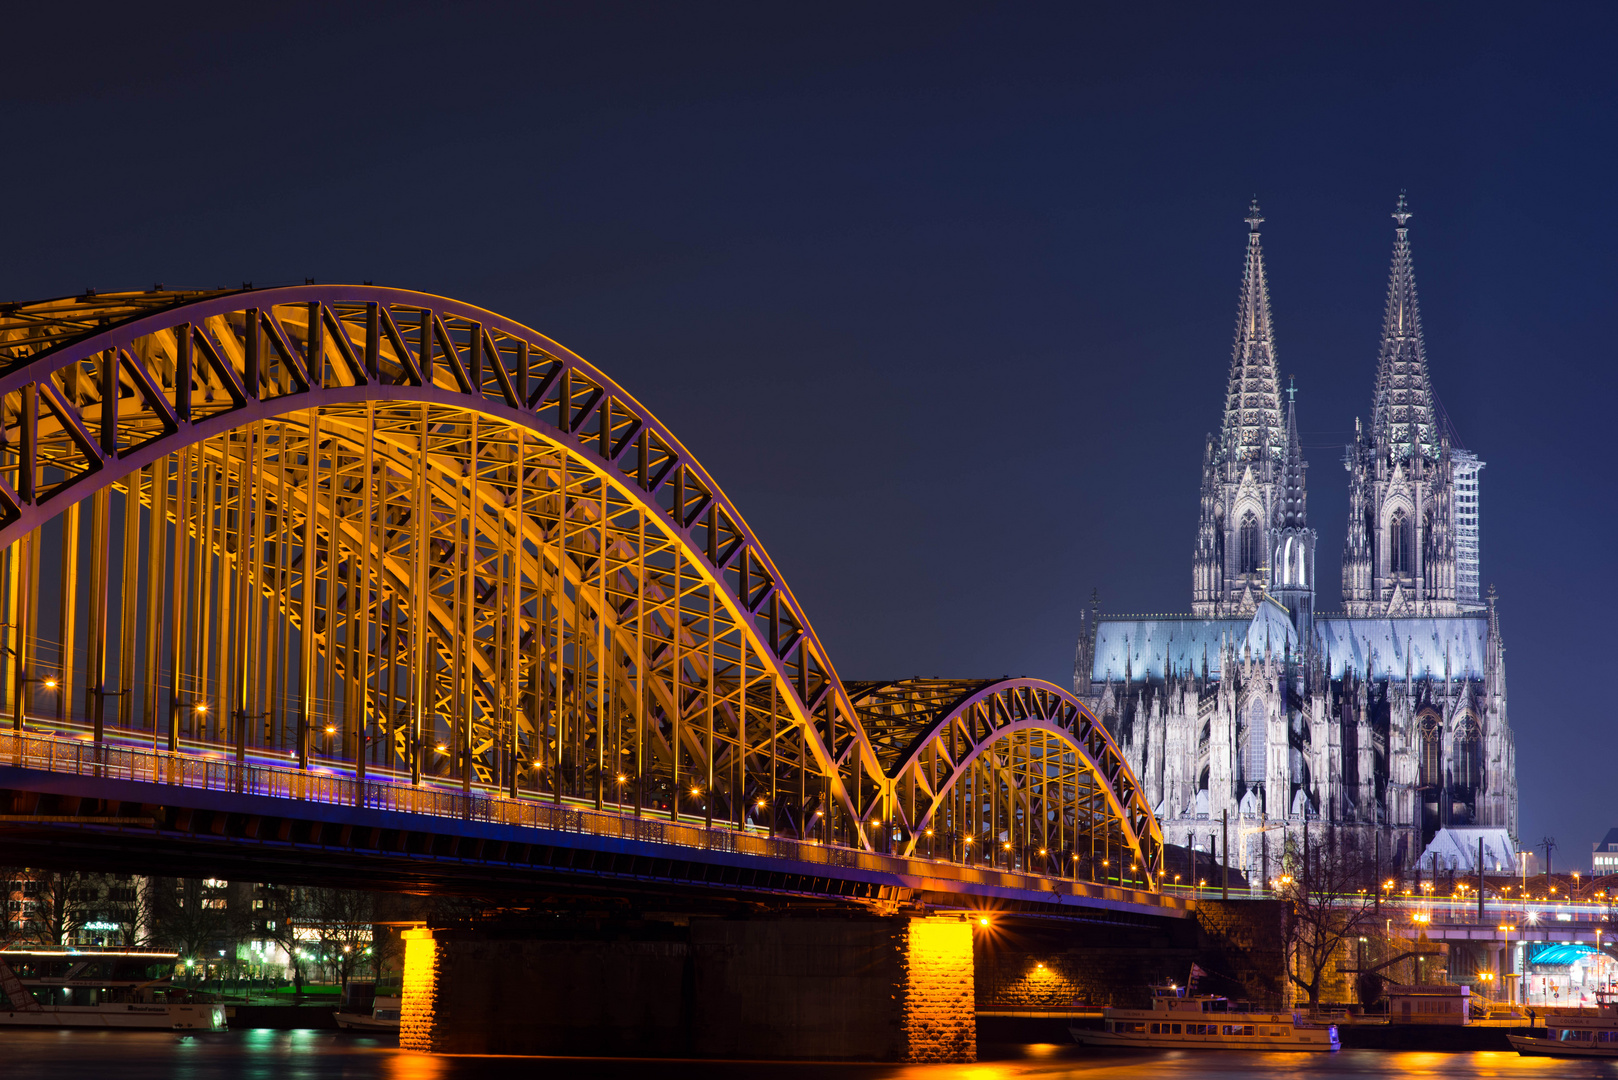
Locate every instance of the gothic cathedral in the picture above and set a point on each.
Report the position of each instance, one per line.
(1388, 719)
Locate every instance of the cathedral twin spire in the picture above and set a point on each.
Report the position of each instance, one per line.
(1253, 536)
(1252, 425)
(1402, 414)
(1239, 553)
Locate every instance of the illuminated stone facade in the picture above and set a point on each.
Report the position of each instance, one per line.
(1390, 717)
(939, 1016)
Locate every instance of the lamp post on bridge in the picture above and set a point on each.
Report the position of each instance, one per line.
(49, 682)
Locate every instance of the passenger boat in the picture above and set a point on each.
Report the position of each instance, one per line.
(1180, 1020)
(1573, 1035)
(67, 987)
(384, 1016)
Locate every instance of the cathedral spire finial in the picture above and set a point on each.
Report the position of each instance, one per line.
(1401, 212)
(1254, 218)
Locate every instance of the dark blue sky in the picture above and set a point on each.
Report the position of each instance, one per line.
(941, 294)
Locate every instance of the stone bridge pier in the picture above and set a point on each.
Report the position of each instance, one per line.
(883, 988)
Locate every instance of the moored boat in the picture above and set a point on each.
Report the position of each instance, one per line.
(384, 1016)
(67, 987)
(1583, 1034)
(1179, 1020)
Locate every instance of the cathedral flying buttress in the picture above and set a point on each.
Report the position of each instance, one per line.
(1387, 721)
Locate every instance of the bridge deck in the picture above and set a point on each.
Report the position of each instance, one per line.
(275, 819)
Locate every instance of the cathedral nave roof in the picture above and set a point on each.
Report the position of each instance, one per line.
(1386, 643)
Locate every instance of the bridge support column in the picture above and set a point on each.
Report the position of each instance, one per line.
(863, 988)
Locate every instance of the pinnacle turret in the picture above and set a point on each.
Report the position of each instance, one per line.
(1402, 414)
(1292, 510)
(1252, 423)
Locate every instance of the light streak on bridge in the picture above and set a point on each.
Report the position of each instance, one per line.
(409, 549)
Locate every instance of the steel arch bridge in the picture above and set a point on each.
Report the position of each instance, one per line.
(398, 537)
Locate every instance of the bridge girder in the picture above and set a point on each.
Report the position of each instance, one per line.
(355, 517)
(1016, 763)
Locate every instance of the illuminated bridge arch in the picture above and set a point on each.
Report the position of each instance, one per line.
(1017, 766)
(374, 530)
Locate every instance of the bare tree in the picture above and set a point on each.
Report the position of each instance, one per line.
(346, 919)
(1329, 907)
(192, 917)
(287, 912)
(131, 906)
(48, 904)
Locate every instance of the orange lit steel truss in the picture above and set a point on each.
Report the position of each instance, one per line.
(378, 531)
(1014, 770)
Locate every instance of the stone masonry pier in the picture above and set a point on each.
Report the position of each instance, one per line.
(884, 988)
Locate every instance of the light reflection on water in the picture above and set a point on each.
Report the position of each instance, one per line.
(322, 1055)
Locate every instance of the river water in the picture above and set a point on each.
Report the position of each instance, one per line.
(321, 1055)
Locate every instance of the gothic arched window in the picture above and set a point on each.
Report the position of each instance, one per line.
(1400, 546)
(1286, 565)
(1468, 754)
(1251, 552)
(1430, 732)
(1254, 755)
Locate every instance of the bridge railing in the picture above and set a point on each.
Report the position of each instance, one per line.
(82, 757)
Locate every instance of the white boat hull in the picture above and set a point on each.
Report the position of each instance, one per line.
(1536, 1046)
(364, 1022)
(130, 1017)
(1314, 1040)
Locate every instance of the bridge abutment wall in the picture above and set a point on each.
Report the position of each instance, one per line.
(1029, 966)
(865, 988)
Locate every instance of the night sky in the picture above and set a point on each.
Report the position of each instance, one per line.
(942, 295)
